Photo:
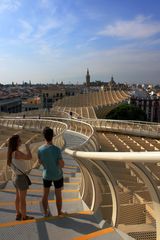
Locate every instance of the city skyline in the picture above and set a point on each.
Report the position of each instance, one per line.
(49, 41)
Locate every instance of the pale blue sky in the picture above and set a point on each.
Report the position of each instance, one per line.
(49, 41)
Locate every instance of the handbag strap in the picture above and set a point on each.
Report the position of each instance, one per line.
(18, 169)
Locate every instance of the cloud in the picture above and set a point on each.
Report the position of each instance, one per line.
(49, 6)
(48, 52)
(86, 43)
(45, 27)
(152, 42)
(9, 5)
(92, 39)
(37, 32)
(140, 27)
(27, 29)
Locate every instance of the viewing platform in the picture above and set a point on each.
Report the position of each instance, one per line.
(78, 223)
(112, 180)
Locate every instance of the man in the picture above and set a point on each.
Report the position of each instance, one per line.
(50, 157)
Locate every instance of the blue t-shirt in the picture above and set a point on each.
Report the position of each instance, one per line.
(50, 156)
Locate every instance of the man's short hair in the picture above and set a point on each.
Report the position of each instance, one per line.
(48, 134)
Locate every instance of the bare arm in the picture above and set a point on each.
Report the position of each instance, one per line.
(36, 164)
(39, 160)
(61, 163)
(29, 154)
(24, 156)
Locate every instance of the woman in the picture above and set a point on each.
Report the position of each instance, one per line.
(16, 160)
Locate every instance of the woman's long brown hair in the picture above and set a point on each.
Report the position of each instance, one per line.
(12, 146)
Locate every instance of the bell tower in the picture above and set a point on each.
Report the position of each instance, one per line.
(88, 78)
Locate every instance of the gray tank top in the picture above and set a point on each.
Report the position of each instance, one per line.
(20, 164)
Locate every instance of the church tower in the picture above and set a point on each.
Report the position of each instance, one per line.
(88, 78)
(112, 83)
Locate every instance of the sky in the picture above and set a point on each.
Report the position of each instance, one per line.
(49, 41)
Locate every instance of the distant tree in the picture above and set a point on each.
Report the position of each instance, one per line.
(127, 112)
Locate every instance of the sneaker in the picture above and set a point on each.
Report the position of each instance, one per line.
(48, 214)
(41, 207)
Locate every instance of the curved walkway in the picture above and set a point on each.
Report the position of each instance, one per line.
(77, 224)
